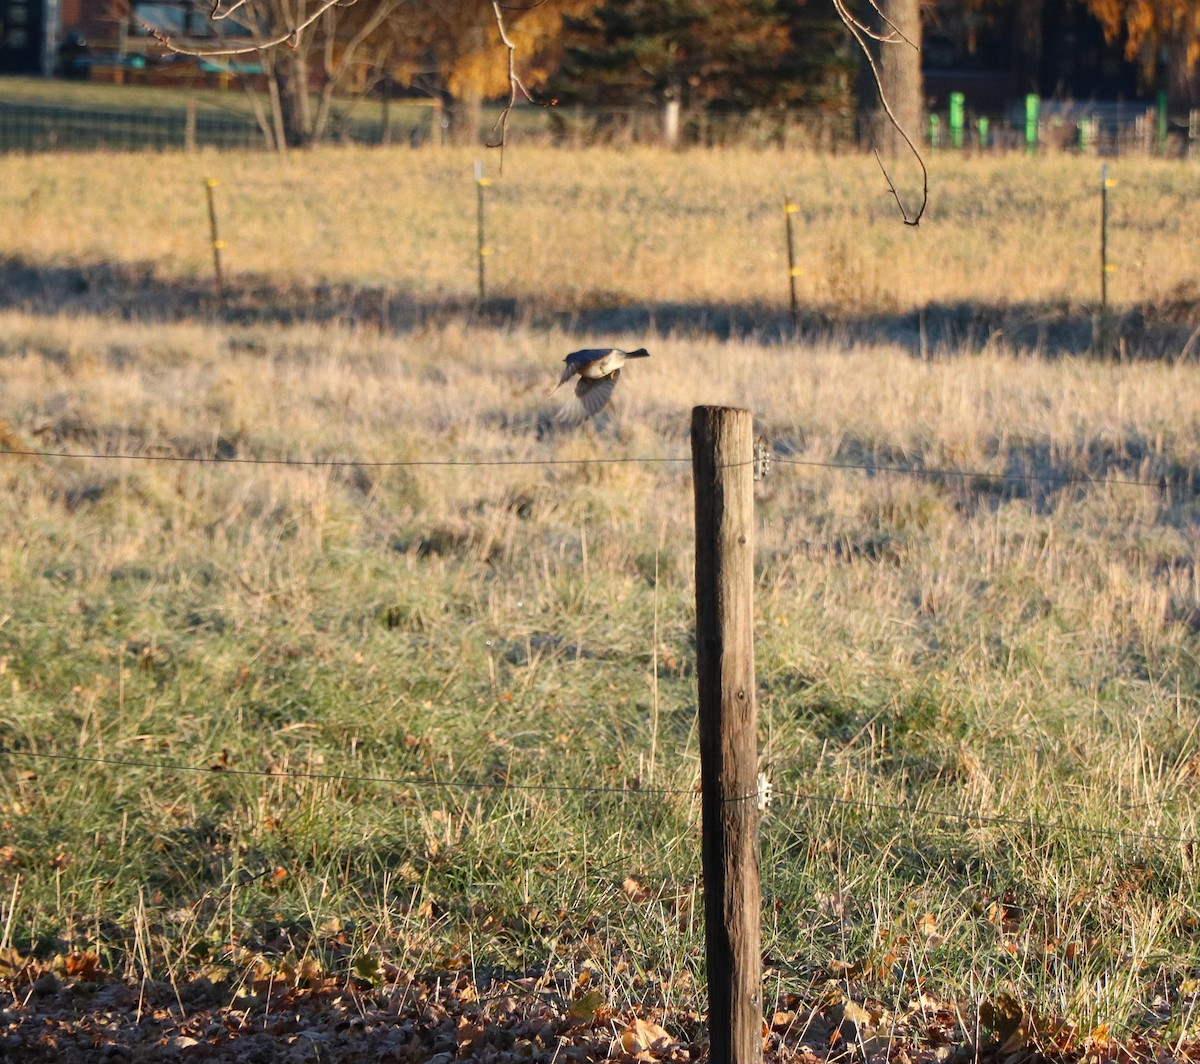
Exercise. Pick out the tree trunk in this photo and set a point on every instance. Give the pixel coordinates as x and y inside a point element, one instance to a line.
<point>291,74</point>
<point>1183,77</point>
<point>898,61</point>
<point>466,117</point>
<point>466,110</point>
<point>1028,45</point>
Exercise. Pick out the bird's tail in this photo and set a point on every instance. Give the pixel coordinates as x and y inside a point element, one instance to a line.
<point>641,352</point>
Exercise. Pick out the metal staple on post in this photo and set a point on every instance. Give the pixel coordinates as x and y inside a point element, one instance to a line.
<point>762,458</point>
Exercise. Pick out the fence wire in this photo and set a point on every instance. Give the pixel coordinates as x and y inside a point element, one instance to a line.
<point>1190,479</point>
<point>983,819</point>
<point>341,463</point>
<point>424,782</point>
<point>772,809</point>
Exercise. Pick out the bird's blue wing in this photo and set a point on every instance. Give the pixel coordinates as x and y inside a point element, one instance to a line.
<point>590,354</point>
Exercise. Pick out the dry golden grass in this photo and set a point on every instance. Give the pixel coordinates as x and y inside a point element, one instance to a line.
<point>602,227</point>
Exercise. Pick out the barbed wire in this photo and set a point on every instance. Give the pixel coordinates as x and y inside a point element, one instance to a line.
<point>811,797</point>
<point>427,782</point>
<point>985,819</point>
<point>1153,803</point>
<point>1161,483</point>
<point>949,472</point>
<point>337,463</point>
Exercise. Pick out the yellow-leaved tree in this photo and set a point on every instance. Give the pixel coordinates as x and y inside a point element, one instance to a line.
<point>462,51</point>
<point>1158,32</point>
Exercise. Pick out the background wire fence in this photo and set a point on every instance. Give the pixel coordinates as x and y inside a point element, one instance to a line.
<point>28,127</point>
<point>1109,130</point>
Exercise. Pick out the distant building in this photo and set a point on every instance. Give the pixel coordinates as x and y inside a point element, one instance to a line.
<point>91,19</point>
<point>26,46</point>
<point>41,36</point>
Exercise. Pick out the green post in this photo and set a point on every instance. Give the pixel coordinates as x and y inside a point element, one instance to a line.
<point>1032,109</point>
<point>935,131</point>
<point>957,109</point>
<point>983,132</point>
<point>1161,115</point>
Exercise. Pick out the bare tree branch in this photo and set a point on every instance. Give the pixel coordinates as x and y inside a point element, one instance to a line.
<point>292,33</point>
<point>854,23</point>
<point>377,75</point>
<point>514,83</point>
<point>349,50</point>
<point>916,220</point>
<point>860,37</point>
<point>216,13</point>
<point>896,34</point>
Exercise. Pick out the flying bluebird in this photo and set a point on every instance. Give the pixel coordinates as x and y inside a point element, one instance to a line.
<point>598,370</point>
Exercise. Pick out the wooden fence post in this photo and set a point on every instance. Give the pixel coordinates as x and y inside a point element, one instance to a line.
<point>723,480</point>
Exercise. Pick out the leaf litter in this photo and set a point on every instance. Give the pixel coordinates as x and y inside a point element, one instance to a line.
<point>281,1009</point>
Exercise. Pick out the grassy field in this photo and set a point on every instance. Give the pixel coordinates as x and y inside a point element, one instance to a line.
<point>98,96</point>
<point>37,114</point>
<point>645,229</point>
<point>474,684</point>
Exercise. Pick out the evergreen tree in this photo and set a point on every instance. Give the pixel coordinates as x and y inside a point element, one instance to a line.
<point>724,54</point>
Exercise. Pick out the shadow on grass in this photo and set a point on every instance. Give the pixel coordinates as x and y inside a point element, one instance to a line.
<point>1031,470</point>
<point>1164,330</point>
